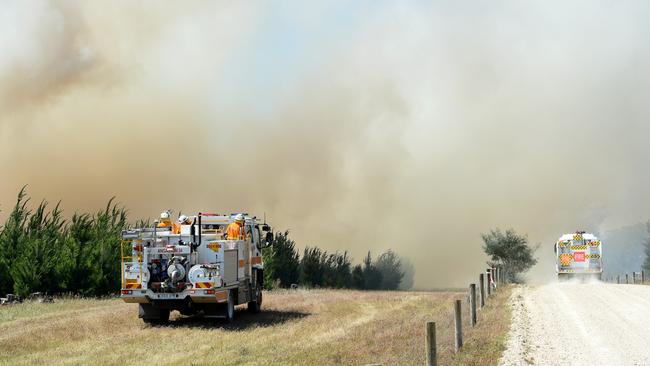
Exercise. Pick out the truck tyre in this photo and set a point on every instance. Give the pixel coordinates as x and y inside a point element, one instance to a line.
<point>153,315</point>
<point>229,311</point>
<point>256,305</point>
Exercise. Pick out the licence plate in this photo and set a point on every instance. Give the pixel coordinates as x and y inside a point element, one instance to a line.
<point>168,296</point>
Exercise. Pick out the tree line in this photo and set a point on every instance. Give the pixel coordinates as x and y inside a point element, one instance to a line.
<point>284,267</point>
<point>41,251</point>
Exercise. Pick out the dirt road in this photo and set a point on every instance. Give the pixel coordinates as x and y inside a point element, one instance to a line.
<point>579,324</point>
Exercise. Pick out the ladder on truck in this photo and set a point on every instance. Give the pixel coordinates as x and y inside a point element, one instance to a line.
<point>131,283</point>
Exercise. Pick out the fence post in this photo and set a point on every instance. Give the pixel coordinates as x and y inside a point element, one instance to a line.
<point>488,275</point>
<point>642,277</point>
<point>618,279</point>
<point>494,278</point>
<point>626,280</point>
<point>431,344</point>
<point>472,304</point>
<point>459,325</point>
<point>481,282</point>
<point>499,275</point>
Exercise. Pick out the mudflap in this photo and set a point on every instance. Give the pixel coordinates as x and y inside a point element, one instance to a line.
<point>148,312</point>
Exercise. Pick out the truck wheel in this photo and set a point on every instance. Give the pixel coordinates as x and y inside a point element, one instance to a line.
<point>230,307</point>
<point>256,305</point>
<point>152,315</point>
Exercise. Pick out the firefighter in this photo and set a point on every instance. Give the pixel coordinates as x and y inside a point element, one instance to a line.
<point>165,220</point>
<point>182,220</point>
<point>234,230</point>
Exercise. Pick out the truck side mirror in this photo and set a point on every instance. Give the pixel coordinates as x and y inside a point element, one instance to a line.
<point>268,239</point>
<point>266,227</point>
<point>554,248</point>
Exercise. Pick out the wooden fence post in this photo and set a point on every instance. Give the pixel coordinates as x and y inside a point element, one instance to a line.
<point>499,274</point>
<point>494,278</point>
<point>472,304</point>
<point>618,279</point>
<point>481,282</point>
<point>431,344</point>
<point>459,325</point>
<point>488,276</point>
<point>626,280</point>
<point>642,277</point>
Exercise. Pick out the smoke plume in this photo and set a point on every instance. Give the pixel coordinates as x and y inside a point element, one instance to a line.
<point>361,126</point>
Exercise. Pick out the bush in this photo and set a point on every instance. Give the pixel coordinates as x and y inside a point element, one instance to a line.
<point>390,267</point>
<point>281,262</point>
<point>509,250</point>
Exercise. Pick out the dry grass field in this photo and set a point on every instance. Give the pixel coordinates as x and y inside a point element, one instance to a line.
<point>299,327</point>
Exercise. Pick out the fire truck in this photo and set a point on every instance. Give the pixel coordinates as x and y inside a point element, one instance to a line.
<point>579,255</point>
<point>193,267</point>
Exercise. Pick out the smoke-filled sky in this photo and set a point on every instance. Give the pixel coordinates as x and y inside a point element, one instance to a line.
<point>357,125</point>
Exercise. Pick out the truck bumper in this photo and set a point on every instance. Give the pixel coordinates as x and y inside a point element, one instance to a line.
<point>199,296</point>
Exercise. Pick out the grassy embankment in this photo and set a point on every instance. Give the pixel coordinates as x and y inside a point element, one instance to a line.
<point>296,327</point>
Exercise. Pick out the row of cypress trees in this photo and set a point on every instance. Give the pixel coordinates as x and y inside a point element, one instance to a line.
<point>40,251</point>
<point>283,267</point>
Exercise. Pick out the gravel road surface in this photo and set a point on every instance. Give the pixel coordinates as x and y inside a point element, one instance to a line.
<point>579,324</point>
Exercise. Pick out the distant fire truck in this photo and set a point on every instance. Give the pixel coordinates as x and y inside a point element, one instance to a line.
<point>579,255</point>
<point>192,267</point>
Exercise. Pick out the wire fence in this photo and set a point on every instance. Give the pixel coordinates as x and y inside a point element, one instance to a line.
<point>478,297</point>
<point>630,278</point>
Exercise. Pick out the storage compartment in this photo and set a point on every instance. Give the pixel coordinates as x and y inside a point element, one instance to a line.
<point>231,265</point>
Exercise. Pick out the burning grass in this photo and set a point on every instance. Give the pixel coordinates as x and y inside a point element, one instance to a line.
<point>296,327</point>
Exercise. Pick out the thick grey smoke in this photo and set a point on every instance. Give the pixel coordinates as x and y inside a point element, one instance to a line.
<point>375,125</point>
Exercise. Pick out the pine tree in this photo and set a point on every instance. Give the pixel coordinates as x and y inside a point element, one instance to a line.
<point>357,277</point>
<point>341,276</point>
<point>34,268</point>
<point>281,262</point>
<point>389,265</point>
<point>10,239</point>
<point>107,226</point>
<point>312,268</point>
<point>372,277</point>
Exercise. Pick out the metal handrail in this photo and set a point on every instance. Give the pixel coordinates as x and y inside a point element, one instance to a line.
<point>129,257</point>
